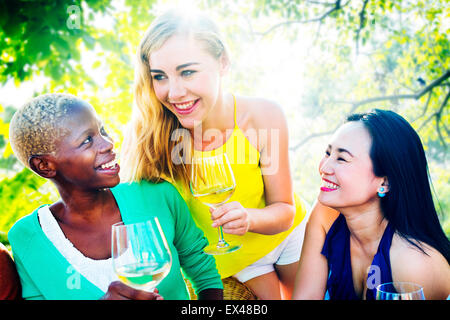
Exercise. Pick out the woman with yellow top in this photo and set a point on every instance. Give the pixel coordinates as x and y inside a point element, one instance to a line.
<point>181,110</point>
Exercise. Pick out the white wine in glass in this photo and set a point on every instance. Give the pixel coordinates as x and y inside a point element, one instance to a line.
<point>140,254</point>
<point>212,183</point>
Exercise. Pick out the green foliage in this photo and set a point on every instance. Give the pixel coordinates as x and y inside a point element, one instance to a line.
<point>35,37</point>
<point>20,195</point>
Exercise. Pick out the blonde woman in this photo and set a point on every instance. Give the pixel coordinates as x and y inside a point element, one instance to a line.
<point>181,108</point>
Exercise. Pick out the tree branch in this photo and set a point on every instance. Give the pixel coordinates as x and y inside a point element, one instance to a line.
<point>425,108</point>
<point>362,21</point>
<point>438,119</point>
<point>312,136</point>
<point>415,96</point>
<point>321,3</point>
<point>337,6</point>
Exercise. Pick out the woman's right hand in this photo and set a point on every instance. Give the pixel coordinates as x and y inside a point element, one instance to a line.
<point>120,291</point>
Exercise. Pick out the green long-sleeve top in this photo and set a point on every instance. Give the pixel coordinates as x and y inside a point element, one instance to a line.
<point>46,274</point>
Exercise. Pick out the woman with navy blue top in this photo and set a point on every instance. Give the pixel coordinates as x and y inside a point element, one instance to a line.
<point>375,220</point>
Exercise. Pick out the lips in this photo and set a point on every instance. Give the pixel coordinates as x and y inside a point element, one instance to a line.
<point>185,107</point>
<point>328,185</point>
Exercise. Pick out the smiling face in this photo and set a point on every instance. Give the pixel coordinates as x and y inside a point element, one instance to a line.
<point>85,158</point>
<point>346,169</point>
<point>187,78</point>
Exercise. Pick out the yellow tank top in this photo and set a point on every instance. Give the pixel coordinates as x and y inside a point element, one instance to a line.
<point>244,159</point>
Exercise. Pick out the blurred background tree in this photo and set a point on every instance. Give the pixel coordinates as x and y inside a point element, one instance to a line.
<point>319,59</point>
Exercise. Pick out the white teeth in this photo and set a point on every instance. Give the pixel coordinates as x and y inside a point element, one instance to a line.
<point>330,185</point>
<point>109,165</point>
<point>184,105</point>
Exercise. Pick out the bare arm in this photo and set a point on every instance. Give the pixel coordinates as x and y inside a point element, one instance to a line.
<point>10,287</point>
<point>312,274</point>
<point>279,213</point>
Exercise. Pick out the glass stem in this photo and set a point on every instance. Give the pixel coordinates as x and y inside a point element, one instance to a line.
<point>222,242</point>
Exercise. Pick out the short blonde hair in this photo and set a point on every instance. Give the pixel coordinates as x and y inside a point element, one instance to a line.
<point>37,126</point>
<point>154,131</point>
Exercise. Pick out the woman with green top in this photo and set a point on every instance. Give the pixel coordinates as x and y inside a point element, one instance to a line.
<point>63,250</point>
<point>182,110</point>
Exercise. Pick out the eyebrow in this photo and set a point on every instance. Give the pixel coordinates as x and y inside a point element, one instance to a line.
<point>178,68</point>
<point>341,150</point>
<point>84,133</point>
<point>89,130</point>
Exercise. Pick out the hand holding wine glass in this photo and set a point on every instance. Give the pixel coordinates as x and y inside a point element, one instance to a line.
<point>212,182</point>
<point>140,254</point>
<point>118,290</point>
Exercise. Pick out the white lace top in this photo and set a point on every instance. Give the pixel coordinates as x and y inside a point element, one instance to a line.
<point>99,272</point>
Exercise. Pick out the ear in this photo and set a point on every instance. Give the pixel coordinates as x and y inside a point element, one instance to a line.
<point>225,63</point>
<point>384,185</point>
<point>43,165</point>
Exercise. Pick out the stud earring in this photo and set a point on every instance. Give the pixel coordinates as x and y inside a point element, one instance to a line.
<point>381,193</point>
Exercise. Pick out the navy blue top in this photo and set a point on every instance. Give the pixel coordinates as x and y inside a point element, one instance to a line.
<point>337,251</point>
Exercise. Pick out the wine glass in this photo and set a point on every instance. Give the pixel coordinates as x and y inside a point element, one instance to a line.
<point>212,183</point>
<point>140,254</point>
<point>399,291</point>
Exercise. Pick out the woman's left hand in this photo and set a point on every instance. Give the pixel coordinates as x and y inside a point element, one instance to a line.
<point>233,218</point>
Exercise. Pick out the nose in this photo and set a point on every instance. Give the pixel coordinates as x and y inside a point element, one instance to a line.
<point>176,90</point>
<point>106,144</point>
<point>325,166</point>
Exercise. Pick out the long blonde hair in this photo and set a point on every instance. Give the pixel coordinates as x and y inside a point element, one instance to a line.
<point>154,131</point>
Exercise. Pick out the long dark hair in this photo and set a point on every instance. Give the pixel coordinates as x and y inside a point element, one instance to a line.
<point>397,153</point>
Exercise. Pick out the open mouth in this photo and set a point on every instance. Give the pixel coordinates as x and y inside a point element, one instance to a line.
<point>185,107</point>
<point>328,186</point>
<point>110,166</point>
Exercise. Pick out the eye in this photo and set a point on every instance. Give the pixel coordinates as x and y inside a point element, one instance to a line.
<point>327,153</point>
<point>86,141</point>
<point>341,159</point>
<point>103,132</point>
<point>159,77</point>
<point>187,73</point>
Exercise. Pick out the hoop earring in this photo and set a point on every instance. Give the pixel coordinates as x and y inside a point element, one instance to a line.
<point>381,194</point>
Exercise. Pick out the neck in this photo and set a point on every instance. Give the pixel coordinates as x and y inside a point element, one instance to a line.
<point>220,118</point>
<point>83,207</point>
<point>366,227</point>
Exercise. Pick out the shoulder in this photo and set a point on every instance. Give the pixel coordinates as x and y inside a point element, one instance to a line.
<point>23,228</point>
<point>155,188</point>
<point>322,217</point>
<point>319,224</point>
<point>262,113</point>
<point>429,268</point>
<point>147,192</point>
<point>402,250</point>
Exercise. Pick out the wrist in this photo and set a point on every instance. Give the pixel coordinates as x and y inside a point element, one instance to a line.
<point>251,220</point>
